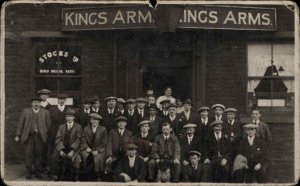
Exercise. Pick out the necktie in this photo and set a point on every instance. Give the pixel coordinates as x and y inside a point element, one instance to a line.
<point>131,113</point>
<point>69,127</point>
<point>195,167</point>
<point>120,132</point>
<point>190,139</point>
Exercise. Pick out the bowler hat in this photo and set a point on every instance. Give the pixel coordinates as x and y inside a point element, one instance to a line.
<point>121,118</point>
<point>95,116</point>
<point>203,108</point>
<point>44,91</point>
<point>152,106</point>
<point>216,123</point>
<point>218,105</point>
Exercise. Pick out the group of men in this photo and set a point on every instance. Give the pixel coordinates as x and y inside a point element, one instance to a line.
<point>134,141</point>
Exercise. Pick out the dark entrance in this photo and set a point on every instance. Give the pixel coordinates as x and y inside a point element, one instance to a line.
<point>167,68</point>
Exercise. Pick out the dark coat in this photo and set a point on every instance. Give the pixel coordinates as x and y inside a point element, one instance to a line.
<point>203,130</point>
<point>82,118</point>
<point>176,125</point>
<point>256,153</point>
<point>198,176</point>
<point>57,118</point>
<point>108,120</point>
<point>161,115</point>
<point>173,147</point>
<point>24,125</point>
<point>139,168</point>
<point>145,116</point>
<point>235,129</point>
<point>196,144</point>
<point>191,119</point>
<point>223,146</point>
<point>132,121</point>
<point>112,145</point>
<point>264,133</point>
<point>75,137</point>
<point>144,144</point>
<point>155,126</point>
<point>95,141</point>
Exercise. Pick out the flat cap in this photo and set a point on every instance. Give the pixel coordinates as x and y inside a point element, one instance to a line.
<point>121,118</point>
<point>152,106</point>
<point>188,101</point>
<point>230,110</point>
<point>218,105</point>
<point>141,100</point>
<point>250,125</point>
<point>194,152</point>
<point>62,96</point>
<point>95,116</point>
<point>44,91</point>
<point>111,98</point>
<point>165,101</point>
<point>144,122</point>
<point>36,98</point>
<point>121,100</point>
<point>132,146</point>
<point>172,105</point>
<point>203,108</point>
<point>216,123</point>
<point>190,125</point>
<point>70,112</point>
<point>130,101</point>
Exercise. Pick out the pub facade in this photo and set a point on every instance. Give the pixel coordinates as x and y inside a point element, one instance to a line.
<point>239,55</point>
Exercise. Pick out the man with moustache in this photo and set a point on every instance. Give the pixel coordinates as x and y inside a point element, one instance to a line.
<point>32,131</point>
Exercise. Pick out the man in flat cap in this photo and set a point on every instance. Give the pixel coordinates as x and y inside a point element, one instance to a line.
<point>187,116</point>
<point>118,138</point>
<point>219,153</point>
<point>163,113</point>
<point>121,106</point>
<point>175,120</point>
<point>254,149</point>
<point>203,126</point>
<point>94,138</point>
<point>110,114</point>
<point>262,130</point>
<point>32,130</point>
<point>67,146</point>
<point>44,95</point>
<point>194,171</point>
<point>141,109</point>
<point>165,148</point>
<point>82,115</point>
<point>155,121</point>
<point>95,108</point>
<point>131,114</point>
<point>218,113</point>
<point>132,167</point>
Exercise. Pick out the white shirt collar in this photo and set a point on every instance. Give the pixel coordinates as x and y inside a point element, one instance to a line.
<point>87,111</point>
<point>257,122</point>
<point>110,110</point>
<point>121,130</point>
<point>231,122</point>
<point>61,108</point>
<point>166,136</point>
<point>70,124</point>
<point>35,111</point>
<point>95,109</point>
<point>144,134</point>
<point>218,117</point>
<point>219,135</point>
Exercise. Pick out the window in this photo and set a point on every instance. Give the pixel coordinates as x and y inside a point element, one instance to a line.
<point>271,82</point>
<point>58,68</point>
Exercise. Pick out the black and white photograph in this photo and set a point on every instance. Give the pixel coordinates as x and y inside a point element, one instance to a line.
<point>145,92</point>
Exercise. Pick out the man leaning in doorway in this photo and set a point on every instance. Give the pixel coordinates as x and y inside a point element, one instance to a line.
<point>32,130</point>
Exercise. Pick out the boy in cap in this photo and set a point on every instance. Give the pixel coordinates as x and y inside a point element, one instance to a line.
<point>110,114</point>
<point>93,143</point>
<point>163,113</point>
<point>82,115</point>
<point>219,153</point>
<point>32,130</point>
<point>120,106</point>
<point>44,95</point>
<point>165,148</point>
<point>155,121</point>
<point>131,168</point>
<point>67,146</point>
<point>174,120</point>
<point>254,149</point>
<point>118,138</point>
<point>218,113</point>
<point>194,171</point>
<point>131,114</point>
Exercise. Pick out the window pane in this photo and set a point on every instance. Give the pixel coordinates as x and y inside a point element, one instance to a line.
<point>61,84</point>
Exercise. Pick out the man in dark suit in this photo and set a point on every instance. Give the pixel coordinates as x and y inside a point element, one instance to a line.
<point>82,115</point>
<point>131,114</point>
<point>219,153</point>
<point>141,109</point>
<point>175,120</point>
<point>218,113</point>
<point>203,126</point>
<point>187,116</point>
<point>156,121</point>
<point>165,148</point>
<point>110,114</point>
<point>67,146</point>
<point>194,171</point>
<point>32,130</point>
<point>131,168</point>
<point>163,114</point>
<point>254,149</point>
<point>262,130</point>
<point>116,144</point>
<point>94,138</point>
<point>95,108</point>
<point>121,106</point>
<point>44,95</point>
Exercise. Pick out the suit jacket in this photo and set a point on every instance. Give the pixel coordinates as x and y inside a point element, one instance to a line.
<point>99,111</point>
<point>139,168</point>
<point>222,147</point>
<point>25,120</point>
<point>108,120</point>
<point>82,118</point>
<point>57,118</point>
<point>191,119</point>
<point>213,118</point>
<point>75,137</point>
<point>173,147</point>
<point>235,129</point>
<point>264,133</point>
<point>196,144</point>
<point>145,116</point>
<point>112,145</point>
<point>95,141</point>
<point>203,130</point>
<point>161,115</point>
<point>177,126</point>
<point>132,121</point>
<point>256,153</point>
<point>144,144</point>
<point>155,126</point>
<point>192,175</point>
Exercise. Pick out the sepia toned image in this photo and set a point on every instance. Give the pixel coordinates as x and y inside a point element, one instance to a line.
<point>149,92</point>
